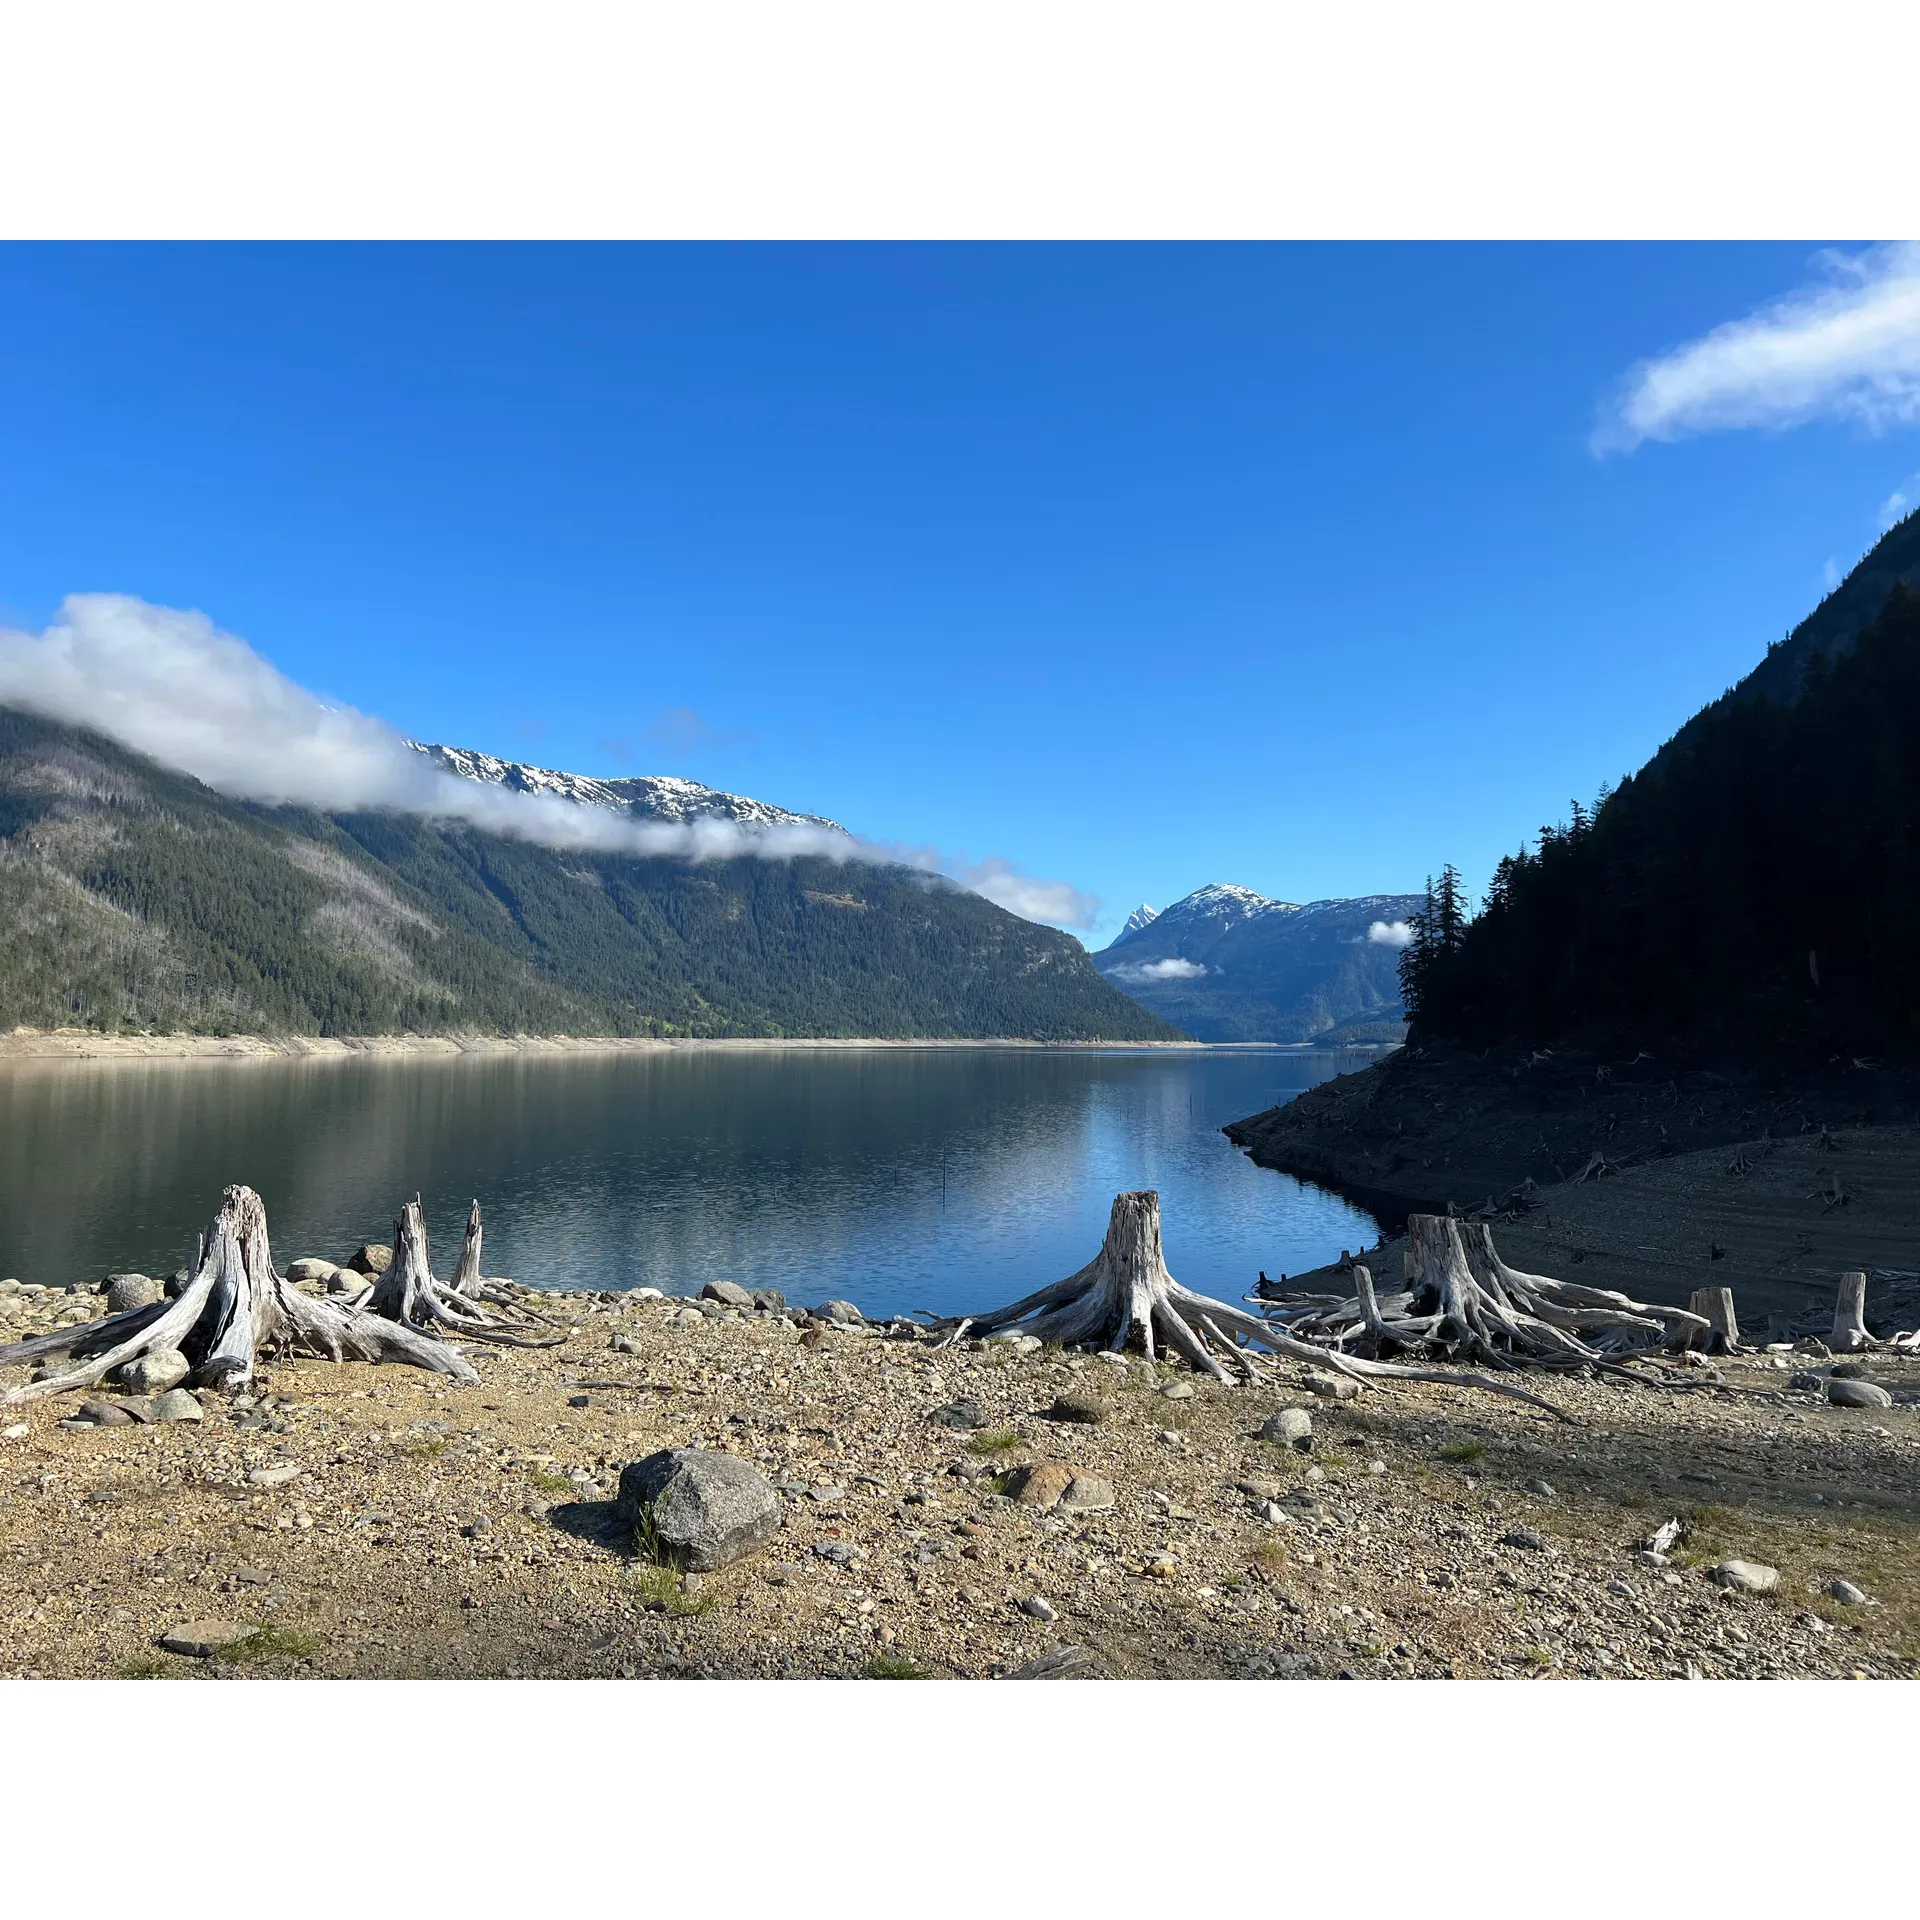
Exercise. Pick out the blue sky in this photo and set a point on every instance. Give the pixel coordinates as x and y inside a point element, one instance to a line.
<point>1138,567</point>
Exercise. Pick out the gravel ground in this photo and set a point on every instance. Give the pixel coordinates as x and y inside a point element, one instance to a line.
<point>379,1522</point>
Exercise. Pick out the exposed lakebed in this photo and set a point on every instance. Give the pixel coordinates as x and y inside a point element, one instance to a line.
<point>898,1178</point>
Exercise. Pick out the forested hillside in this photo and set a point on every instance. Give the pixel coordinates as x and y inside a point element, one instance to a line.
<point>1754,889</point>
<point>136,898</point>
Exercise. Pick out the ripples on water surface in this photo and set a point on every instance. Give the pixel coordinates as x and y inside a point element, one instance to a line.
<point>896,1178</point>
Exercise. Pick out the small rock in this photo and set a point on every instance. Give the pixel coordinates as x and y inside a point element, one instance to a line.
<point>769,1300</point>
<point>1541,1489</point>
<point>1042,1484</point>
<point>1857,1393</point>
<point>1036,1608</point>
<point>841,1313</point>
<point>1059,1663</point>
<point>689,1317</point>
<point>1333,1386</point>
<point>1177,1390</point>
<point>579,1400</point>
<point>1087,1493</point>
<point>1846,1593</point>
<point>1163,1566</point>
<point>155,1372</point>
<point>202,1639</point>
<point>623,1343</point>
<point>128,1291</point>
<point>1523,1537</point>
<point>18,1431</point>
<point>704,1510</point>
<point>1290,1427</point>
<point>346,1280</point>
<point>1804,1382</point>
<point>276,1476</point>
<point>843,1553</point>
<point>104,1413</point>
<point>1273,1513</point>
<point>646,1293</point>
<point>1744,1576</point>
<point>729,1293</point>
<point>177,1405</point>
<point>964,1414</point>
<point>1078,1404</point>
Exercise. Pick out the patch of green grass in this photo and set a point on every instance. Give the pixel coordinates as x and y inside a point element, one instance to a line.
<point>273,1643</point>
<point>1002,1440</point>
<point>552,1482</point>
<point>1333,1458</point>
<point>1460,1452</point>
<point>1539,1658</point>
<point>149,1666</point>
<point>427,1449</point>
<point>660,1590</point>
<point>893,1666</point>
<point>1271,1552</point>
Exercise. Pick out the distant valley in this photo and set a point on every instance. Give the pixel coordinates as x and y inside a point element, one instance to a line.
<point>1228,964</point>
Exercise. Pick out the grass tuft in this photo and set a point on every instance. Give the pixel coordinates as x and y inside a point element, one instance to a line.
<point>894,1666</point>
<point>1460,1452</point>
<point>1002,1440</point>
<point>149,1666</point>
<point>273,1643</point>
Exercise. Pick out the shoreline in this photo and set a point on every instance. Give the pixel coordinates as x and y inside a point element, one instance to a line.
<point>76,1043</point>
<point>81,1043</point>
<point>386,1524</point>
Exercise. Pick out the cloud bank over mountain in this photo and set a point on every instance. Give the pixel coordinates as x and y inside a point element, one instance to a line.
<point>170,684</point>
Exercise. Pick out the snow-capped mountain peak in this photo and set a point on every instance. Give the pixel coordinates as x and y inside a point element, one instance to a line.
<point>646,796</point>
<point>1142,917</point>
<point>1221,900</point>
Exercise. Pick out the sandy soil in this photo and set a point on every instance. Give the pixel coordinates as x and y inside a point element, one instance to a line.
<point>380,1522</point>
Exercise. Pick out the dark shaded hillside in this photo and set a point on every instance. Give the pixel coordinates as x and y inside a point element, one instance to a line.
<point>1755,890</point>
<point>135,897</point>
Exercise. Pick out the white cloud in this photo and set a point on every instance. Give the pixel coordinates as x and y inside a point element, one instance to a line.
<point>1830,574</point>
<point>1900,502</point>
<point>1846,348</point>
<point>1146,972</point>
<point>173,686</point>
<point>1390,933</point>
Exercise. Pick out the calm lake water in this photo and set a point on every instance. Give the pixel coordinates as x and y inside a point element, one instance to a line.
<point>900,1178</point>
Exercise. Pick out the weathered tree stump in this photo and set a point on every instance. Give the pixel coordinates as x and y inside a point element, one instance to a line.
<point>1714,1305</point>
<point>409,1295</point>
<point>1850,1333</point>
<point>233,1308</point>
<point>1125,1295</point>
<point>1462,1302</point>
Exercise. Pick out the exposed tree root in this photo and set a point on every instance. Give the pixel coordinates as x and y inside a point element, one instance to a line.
<point>233,1308</point>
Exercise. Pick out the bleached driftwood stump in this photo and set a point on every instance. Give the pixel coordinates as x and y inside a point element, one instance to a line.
<point>233,1308</point>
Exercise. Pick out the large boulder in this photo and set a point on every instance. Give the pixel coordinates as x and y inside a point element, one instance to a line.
<point>729,1293</point>
<point>128,1291</point>
<point>1857,1393</point>
<point>698,1510</point>
<point>1290,1427</point>
<point>841,1313</point>
<point>311,1272</point>
<point>371,1259</point>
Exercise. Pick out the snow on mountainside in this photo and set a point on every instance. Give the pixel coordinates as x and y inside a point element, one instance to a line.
<point>649,796</point>
<point>1142,917</point>
<point>1227,963</point>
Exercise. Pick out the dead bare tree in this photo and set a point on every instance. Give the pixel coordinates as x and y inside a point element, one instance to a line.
<point>233,1308</point>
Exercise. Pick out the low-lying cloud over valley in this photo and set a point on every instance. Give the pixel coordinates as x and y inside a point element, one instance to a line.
<point>171,685</point>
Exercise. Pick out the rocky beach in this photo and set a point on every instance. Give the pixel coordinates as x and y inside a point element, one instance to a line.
<point>731,1488</point>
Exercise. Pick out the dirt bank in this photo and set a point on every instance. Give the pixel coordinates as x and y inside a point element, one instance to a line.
<point>383,1523</point>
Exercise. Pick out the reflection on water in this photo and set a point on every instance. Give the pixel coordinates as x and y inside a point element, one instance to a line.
<point>896,1178</point>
